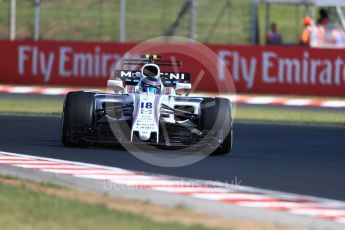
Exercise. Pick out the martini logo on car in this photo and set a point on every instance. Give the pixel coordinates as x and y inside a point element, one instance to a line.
<point>169,75</point>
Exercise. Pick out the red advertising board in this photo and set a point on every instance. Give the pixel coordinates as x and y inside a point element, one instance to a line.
<point>254,69</point>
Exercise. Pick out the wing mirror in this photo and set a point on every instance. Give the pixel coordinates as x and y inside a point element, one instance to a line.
<point>117,85</point>
<point>183,88</point>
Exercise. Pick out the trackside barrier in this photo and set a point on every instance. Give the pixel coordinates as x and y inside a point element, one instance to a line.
<point>254,69</point>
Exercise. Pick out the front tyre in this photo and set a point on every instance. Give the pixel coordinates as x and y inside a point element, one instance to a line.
<point>216,119</point>
<point>77,118</point>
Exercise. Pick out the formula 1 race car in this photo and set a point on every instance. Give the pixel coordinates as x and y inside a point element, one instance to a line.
<point>149,107</point>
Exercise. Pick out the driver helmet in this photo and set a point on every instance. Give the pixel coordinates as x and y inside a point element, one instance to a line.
<point>151,85</point>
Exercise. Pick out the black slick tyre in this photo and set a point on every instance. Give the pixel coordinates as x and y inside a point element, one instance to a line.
<point>216,117</point>
<point>78,110</point>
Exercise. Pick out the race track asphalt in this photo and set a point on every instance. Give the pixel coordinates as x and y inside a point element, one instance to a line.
<point>301,159</point>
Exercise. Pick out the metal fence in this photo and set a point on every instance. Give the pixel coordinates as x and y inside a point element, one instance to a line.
<point>220,21</point>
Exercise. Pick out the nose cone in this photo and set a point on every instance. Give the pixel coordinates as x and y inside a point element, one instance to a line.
<point>144,136</point>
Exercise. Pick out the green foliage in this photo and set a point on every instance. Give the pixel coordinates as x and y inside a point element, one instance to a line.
<point>98,20</point>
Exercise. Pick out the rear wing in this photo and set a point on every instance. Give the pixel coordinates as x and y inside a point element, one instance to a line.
<point>152,58</point>
<point>169,79</point>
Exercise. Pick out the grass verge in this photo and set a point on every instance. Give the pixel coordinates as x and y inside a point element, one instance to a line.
<point>31,205</point>
<point>31,106</point>
<point>243,113</point>
<point>23,206</point>
<point>290,115</point>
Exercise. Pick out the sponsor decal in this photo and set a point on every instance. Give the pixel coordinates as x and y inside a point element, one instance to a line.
<point>166,75</point>
<point>254,69</point>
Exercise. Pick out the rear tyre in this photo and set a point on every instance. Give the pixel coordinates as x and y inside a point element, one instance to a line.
<point>78,111</point>
<point>216,116</point>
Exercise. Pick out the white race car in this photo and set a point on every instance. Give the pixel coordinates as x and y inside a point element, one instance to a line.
<point>148,107</point>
